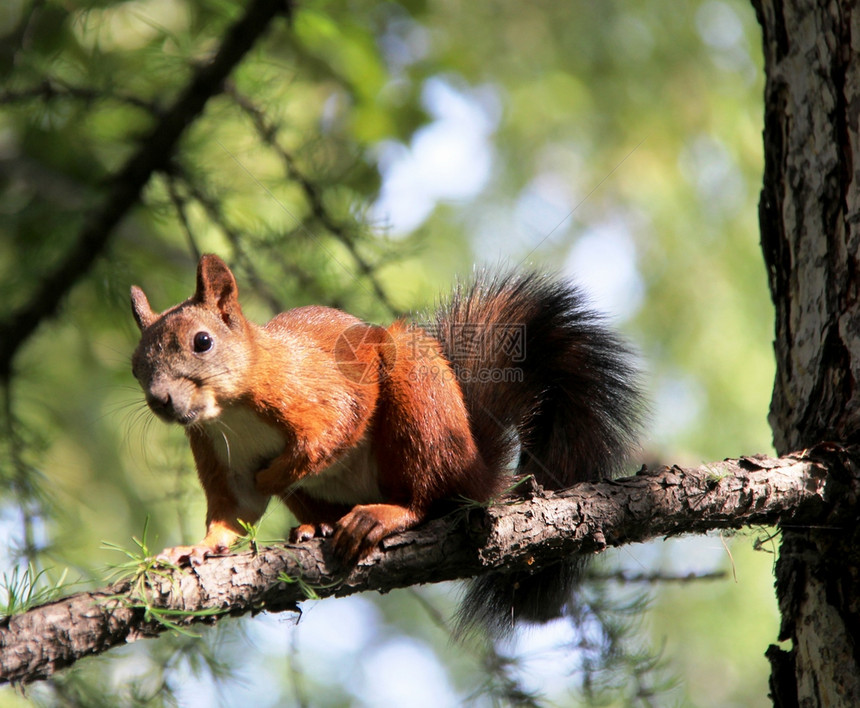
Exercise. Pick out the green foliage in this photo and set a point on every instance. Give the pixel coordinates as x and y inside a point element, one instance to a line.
<point>248,540</point>
<point>613,666</point>
<point>23,589</point>
<point>308,590</point>
<point>733,619</point>
<point>140,568</point>
<point>579,125</point>
<point>139,563</point>
<point>518,484</point>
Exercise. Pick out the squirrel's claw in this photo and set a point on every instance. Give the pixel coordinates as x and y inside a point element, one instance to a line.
<point>305,532</point>
<point>186,555</point>
<point>360,531</point>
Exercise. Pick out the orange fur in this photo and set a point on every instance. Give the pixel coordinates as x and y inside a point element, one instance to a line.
<point>364,431</point>
<point>371,428</point>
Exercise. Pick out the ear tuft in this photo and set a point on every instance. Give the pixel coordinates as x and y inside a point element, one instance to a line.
<point>143,314</point>
<point>216,288</point>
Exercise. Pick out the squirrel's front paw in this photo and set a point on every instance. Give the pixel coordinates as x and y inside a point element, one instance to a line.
<point>305,532</point>
<point>190,555</point>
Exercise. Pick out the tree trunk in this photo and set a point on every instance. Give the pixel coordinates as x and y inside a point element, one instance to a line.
<point>809,233</point>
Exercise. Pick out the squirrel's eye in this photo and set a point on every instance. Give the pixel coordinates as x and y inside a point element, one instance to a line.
<point>202,342</point>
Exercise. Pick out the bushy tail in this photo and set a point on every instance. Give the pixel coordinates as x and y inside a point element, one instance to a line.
<point>541,374</point>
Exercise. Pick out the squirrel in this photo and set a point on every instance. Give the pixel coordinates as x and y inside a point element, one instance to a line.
<point>365,431</point>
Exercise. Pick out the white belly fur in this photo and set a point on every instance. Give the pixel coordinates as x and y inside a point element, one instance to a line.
<point>244,444</point>
<point>353,479</point>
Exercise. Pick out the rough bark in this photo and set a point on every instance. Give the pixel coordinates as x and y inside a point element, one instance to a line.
<point>809,228</point>
<point>520,534</point>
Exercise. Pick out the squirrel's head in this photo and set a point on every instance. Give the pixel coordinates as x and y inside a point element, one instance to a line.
<point>191,358</point>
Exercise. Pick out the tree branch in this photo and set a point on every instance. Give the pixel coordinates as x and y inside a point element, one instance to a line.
<point>152,155</point>
<point>806,488</point>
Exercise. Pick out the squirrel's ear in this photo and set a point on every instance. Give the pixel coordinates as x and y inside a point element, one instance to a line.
<point>143,314</point>
<point>217,287</point>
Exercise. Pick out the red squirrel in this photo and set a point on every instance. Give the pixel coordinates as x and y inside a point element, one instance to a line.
<point>364,431</point>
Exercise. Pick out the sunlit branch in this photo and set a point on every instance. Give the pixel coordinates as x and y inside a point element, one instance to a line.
<point>811,487</point>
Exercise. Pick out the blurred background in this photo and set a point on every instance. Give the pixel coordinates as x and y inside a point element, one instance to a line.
<point>366,156</point>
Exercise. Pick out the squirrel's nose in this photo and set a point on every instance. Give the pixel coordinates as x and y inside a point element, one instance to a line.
<point>159,400</point>
<point>160,403</point>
